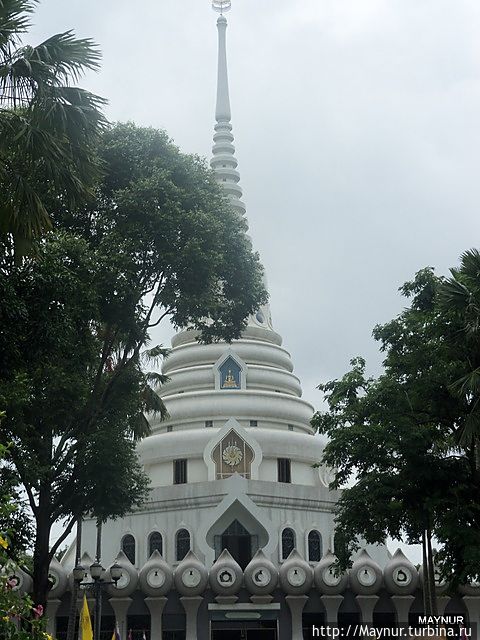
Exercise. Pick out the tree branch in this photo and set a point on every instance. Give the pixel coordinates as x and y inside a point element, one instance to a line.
<point>149,326</point>
<point>64,535</point>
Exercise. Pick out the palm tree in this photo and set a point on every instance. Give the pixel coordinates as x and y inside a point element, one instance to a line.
<point>459,296</point>
<point>47,126</point>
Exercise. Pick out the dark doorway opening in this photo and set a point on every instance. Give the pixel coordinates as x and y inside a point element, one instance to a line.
<point>238,541</point>
<point>245,630</point>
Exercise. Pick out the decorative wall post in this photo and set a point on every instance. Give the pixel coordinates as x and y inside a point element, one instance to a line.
<point>51,613</point>
<point>296,605</point>
<point>473,607</point>
<point>156,606</point>
<point>332,605</point>
<point>367,605</point>
<point>120,607</point>
<point>191,604</point>
<point>402,606</point>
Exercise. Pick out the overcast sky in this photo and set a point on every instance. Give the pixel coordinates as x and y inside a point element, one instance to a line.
<point>357,131</point>
<point>357,134</point>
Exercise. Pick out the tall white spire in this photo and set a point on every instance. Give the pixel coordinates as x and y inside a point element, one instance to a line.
<point>224,162</point>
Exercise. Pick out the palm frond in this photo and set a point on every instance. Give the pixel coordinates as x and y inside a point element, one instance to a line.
<point>155,355</point>
<point>152,403</point>
<point>140,427</point>
<point>453,294</point>
<point>470,431</point>
<point>156,379</point>
<point>468,384</point>
<point>54,63</point>
<point>470,264</point>
<point>65,56</point>
<point>14,20</point>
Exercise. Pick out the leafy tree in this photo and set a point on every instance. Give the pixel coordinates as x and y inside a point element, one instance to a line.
<point>398,435</point>
<point>48,128</point>
<point>19,620</point>
<point>459,299</point>
<point>158,241</point>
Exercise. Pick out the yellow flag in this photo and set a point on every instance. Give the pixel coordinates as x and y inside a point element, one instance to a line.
<point>85,622</point>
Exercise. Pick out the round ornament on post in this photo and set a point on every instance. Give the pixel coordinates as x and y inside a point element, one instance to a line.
<point>156,576</point>
<point>128,581</point>
<point>225,575</point>
<point>261,575</point>
<point>191,576</point>
<point>441,583</point>
<point>58,578</point>
<point>471,589</point>
<point>328,579</point>
<point>20,581</point>
<point>401,577</point>
<point>296,575</point>
<point>366,577</point>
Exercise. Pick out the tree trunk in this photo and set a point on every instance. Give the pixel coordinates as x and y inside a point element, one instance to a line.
<point>431,572</point>
<point>427,601</point>
<point>41,553</point>
<point>41,561</point>
<point>72,614</point>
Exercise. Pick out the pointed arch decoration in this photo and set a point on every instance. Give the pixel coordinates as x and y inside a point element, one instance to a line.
<point>230,372</point>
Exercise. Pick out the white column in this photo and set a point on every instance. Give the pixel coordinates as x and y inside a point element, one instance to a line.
<point>441,604</point>
<point>50,614</point>
<point>156,606</point>
<point>296,605</point>
<point>191,604</point>
<point>402,606</point>
<point>332,605</point>
<point>473,607</point>
<point>120,608</point>
<point>367,605</point>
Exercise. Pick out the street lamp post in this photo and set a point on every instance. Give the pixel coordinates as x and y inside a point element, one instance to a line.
<point>98,585</point>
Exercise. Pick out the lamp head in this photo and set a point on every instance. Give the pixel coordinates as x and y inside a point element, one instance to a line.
<point>116,572</point>
<point>96,570</point>
<point>78,573</point>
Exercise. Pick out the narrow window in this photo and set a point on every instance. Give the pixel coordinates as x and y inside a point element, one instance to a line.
<point>314,546</point>
<point>155,543</point>
<point>288,542</point>
<point>169,428</point>
<point>128,547</point>
<point>179,471</point>
<point>253,423</point>
<point>284,472</point>
<point>209,423</point>
<point>290,427</point>
<point>182,544</point>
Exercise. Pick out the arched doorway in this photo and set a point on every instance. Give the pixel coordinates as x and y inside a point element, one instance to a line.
<point>239,542</point>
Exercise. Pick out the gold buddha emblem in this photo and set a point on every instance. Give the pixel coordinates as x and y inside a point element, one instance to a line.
<point>229,382</point>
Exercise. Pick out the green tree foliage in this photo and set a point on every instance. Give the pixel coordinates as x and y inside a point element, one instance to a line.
<point>19,620</point>
<point>48,128</point>
<point>399,437</point>
<point>158,241</point>
<point>459,299</point>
